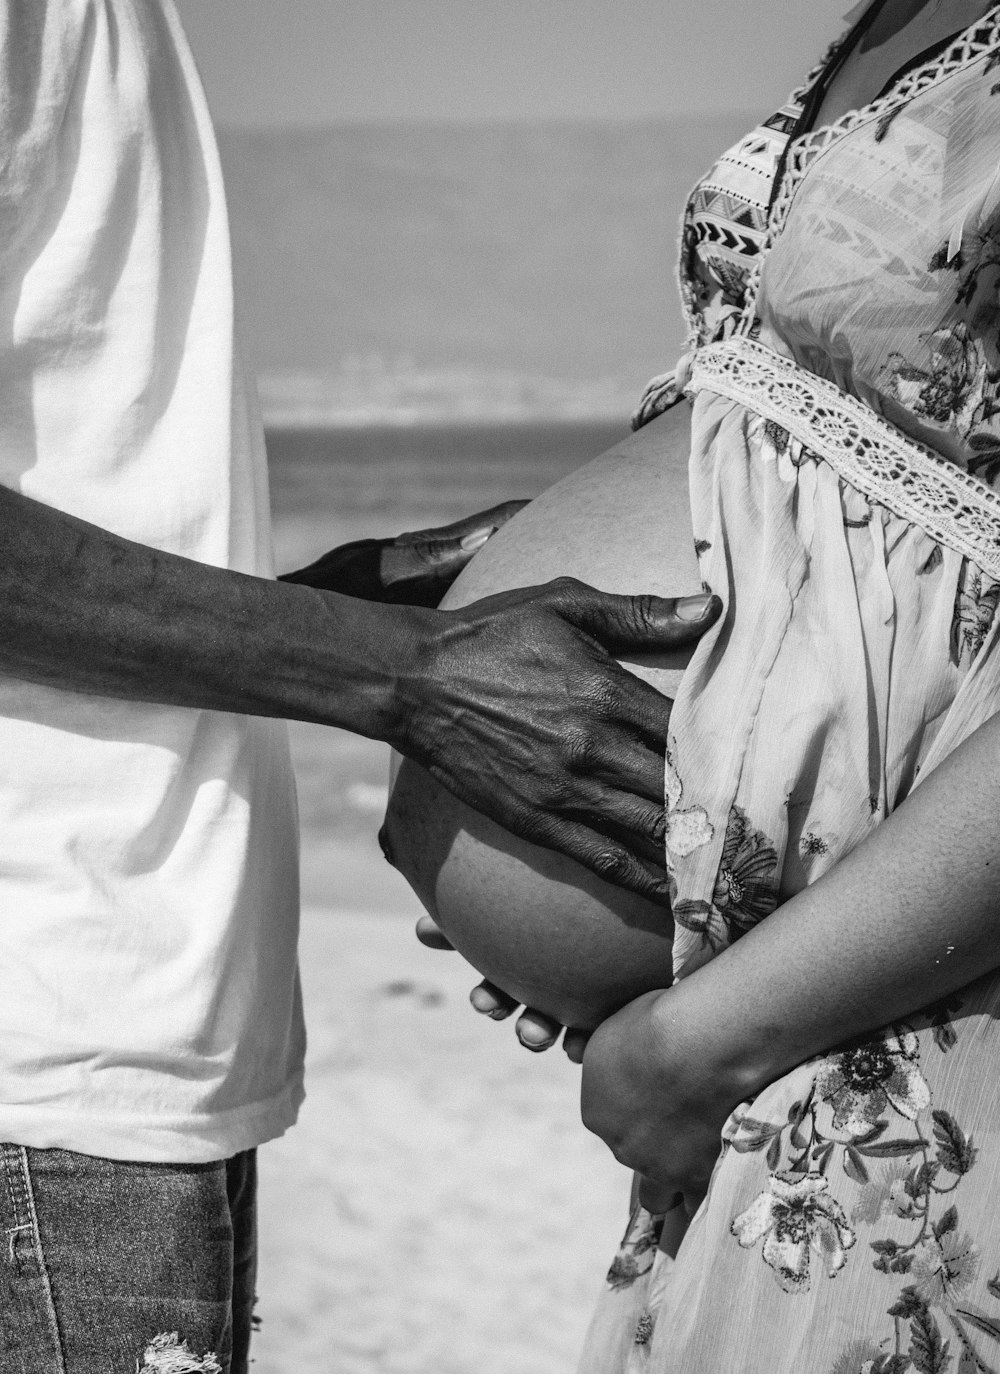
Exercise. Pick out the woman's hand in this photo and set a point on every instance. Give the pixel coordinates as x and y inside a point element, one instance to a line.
<point>657,1102</point>
<point>414,569</point>
<point>906,918</point>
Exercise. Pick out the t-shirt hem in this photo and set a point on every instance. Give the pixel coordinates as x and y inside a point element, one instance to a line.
<point>195,1139</point>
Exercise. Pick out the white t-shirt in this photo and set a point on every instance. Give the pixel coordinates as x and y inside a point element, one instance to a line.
<point>149,1001</point>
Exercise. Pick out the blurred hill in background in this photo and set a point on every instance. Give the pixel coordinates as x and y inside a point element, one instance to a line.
<point>432,272</point>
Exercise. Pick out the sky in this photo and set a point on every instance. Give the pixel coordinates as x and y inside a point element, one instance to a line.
<point>314,62</point>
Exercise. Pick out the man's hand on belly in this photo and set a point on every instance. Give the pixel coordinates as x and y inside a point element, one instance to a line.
<point>412,569</point>
<point>517,706</point>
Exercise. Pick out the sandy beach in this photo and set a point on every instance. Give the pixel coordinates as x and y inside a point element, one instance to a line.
<point>438,1209</point>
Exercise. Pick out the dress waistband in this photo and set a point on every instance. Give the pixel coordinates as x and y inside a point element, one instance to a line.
<point>876,458</point>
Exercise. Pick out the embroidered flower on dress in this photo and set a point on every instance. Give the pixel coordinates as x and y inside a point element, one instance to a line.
<point>702,918</point>
<point>878,1197</point>
<point>746,884</point>
<point>856,1358</point>
<point>812,844</point>
<point>975,611</point>
<point>944,1267</point>
<point>775,441</point>
<point>862,1082</point>
<point>958,390</point>
<point>637,1251</point>
<point>644,1328</point>
<point>796,1218</point>
<point>952,389</point>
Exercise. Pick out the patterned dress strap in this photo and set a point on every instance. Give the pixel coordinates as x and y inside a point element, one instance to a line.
<point>980,41</point>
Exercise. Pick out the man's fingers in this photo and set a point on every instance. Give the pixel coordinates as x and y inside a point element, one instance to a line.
<point>574,1044</point>
<point>429,933</point>
<point>446,542</point>
<point>639,623</point>
<point>636,823</point>
<point>606,857</point>
<point>623,747</point>
<point>642,828</point>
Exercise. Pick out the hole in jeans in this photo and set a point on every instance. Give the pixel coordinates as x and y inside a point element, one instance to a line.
<point>168,1354</point>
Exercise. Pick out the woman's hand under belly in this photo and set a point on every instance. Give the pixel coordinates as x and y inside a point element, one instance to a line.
<point>533,922</point>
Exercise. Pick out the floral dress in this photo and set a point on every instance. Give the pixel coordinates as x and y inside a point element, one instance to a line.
<point>842,287</point>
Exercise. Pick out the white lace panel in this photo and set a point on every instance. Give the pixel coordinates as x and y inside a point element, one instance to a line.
<point>912,481</point>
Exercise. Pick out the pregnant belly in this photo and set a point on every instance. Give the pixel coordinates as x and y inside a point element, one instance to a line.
<point>535,923</point>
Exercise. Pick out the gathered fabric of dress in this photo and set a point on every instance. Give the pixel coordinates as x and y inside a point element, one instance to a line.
<point>842,287</point>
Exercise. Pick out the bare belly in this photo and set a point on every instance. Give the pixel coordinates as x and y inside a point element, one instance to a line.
<point>535,923</point>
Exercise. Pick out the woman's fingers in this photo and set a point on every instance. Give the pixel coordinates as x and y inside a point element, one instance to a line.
<point>535,1031</point>
<point>489,1000</point>
<point>658,1197</point>
<point>574,1044</point>
<point>429,933</point>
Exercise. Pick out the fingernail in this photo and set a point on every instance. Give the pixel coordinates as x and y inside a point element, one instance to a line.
<point>694,607</point>
<point>477,538</point>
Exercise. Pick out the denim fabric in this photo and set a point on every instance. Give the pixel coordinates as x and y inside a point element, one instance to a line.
<point>112,1267</point>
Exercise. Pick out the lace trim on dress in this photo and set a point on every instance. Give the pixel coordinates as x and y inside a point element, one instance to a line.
<point>976,42</point>
<point>868,452</point>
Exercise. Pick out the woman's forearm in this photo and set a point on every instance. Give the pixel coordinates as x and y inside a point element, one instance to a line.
<point>909,916</point>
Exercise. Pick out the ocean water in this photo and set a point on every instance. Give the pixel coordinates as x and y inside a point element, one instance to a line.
<point>328,486</point>
<point>332,486</point>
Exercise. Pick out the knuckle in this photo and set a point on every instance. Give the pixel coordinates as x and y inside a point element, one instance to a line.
<point>580,751</point>
<point>565,591</point>
<point>645,606</point>
<point>638,613</point>
<point>606,697</point>
<point>611,864</point>
<point>598,698</point>
<point>653,823</point>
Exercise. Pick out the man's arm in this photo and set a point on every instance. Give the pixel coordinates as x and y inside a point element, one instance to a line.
<point>909,916</point>
<point>512,703</point>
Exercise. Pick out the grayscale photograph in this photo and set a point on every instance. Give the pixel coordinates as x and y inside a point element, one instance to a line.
<point>499,687</point>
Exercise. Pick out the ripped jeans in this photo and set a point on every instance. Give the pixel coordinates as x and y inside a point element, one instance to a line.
<point>111,1267</point>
